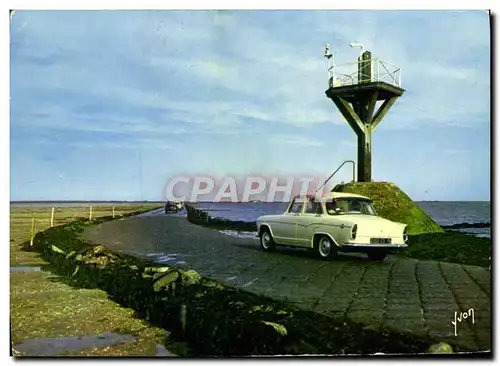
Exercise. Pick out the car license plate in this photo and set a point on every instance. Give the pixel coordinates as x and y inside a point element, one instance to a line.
<point>380,241</point>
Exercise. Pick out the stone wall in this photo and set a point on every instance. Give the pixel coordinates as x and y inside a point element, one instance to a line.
<point>200,217</point>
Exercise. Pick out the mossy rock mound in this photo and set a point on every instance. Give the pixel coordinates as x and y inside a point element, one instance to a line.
<point>393,204</point>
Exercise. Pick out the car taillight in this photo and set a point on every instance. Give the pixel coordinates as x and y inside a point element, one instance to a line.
<point>405,235</point>
<point>354,231</point>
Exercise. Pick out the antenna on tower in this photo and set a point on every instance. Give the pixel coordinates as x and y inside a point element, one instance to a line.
<point>328,54</point>
<point>330,65</point>
<point>354,44</point>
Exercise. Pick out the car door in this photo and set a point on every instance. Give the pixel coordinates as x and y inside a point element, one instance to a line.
<point>307,221</point>
<point>285,229</point>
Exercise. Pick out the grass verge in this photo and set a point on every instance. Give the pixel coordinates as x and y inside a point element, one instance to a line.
<point>43,305</point>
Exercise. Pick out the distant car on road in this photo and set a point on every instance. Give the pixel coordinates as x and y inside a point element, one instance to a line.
<point>173,206</point>
<point>330,224</point>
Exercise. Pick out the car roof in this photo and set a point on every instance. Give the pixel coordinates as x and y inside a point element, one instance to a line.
<point>332,195</point>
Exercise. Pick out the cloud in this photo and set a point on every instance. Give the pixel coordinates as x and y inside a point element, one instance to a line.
<point>190,73</point>
<point>295,140</point>
<point>457,151</point>
<point>348,143</point>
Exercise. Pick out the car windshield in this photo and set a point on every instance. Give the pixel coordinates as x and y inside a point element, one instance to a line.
<point>350,205</point>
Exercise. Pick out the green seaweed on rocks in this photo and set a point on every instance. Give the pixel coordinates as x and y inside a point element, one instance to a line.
<point>393,204</point>
<point>440,348</point>
<point>450,246</point>
<point>278,327</point>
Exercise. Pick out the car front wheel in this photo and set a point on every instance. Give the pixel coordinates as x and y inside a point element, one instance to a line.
<point>377,256</point>
<point>266,241</point>
<point>326,249</point>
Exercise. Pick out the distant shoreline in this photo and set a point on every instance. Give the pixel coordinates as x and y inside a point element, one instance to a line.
<point>162,202</point>
<point>91,201</point>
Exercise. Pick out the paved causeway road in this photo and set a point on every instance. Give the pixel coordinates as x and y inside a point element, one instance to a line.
<point>416,296</point>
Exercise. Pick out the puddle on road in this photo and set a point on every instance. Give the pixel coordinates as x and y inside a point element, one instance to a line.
<point>154,254</point>
<point>161,212</point>
<point>161,351</point>
<point>164,258</point>
<point>56,346</point>
<point>167,258</point>
<point>240,234</point>
<point>249,283</point>
<point>235,281</point>
<point>25,268</point>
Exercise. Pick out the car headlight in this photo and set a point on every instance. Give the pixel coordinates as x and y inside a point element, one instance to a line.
<point>354,231</point>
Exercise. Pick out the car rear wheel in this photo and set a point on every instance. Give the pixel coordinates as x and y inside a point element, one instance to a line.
<point>266,241</point>
<point>377,256</point>
<point>325,247</point>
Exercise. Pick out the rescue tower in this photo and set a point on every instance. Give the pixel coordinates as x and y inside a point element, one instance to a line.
<point>355,89</point>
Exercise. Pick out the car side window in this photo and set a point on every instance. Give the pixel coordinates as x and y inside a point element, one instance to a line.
<point>331,207</point>
<point>313,207</point>
<point>296,207</point>
<point>355,206</point>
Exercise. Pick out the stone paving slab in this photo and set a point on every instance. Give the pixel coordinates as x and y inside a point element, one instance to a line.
<point>406,295</point>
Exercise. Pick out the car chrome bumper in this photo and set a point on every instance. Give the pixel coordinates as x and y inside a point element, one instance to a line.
<point>368,246</point>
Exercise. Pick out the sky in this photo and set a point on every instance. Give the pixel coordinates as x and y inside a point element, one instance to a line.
<point>111,105</point>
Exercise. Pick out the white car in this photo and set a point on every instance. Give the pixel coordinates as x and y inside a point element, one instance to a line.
<point>332,223</point>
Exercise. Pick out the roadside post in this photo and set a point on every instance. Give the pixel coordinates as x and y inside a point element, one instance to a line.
<point>32,234</point>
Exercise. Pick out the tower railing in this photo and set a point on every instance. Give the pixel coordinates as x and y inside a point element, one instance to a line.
<point>348,74</point>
